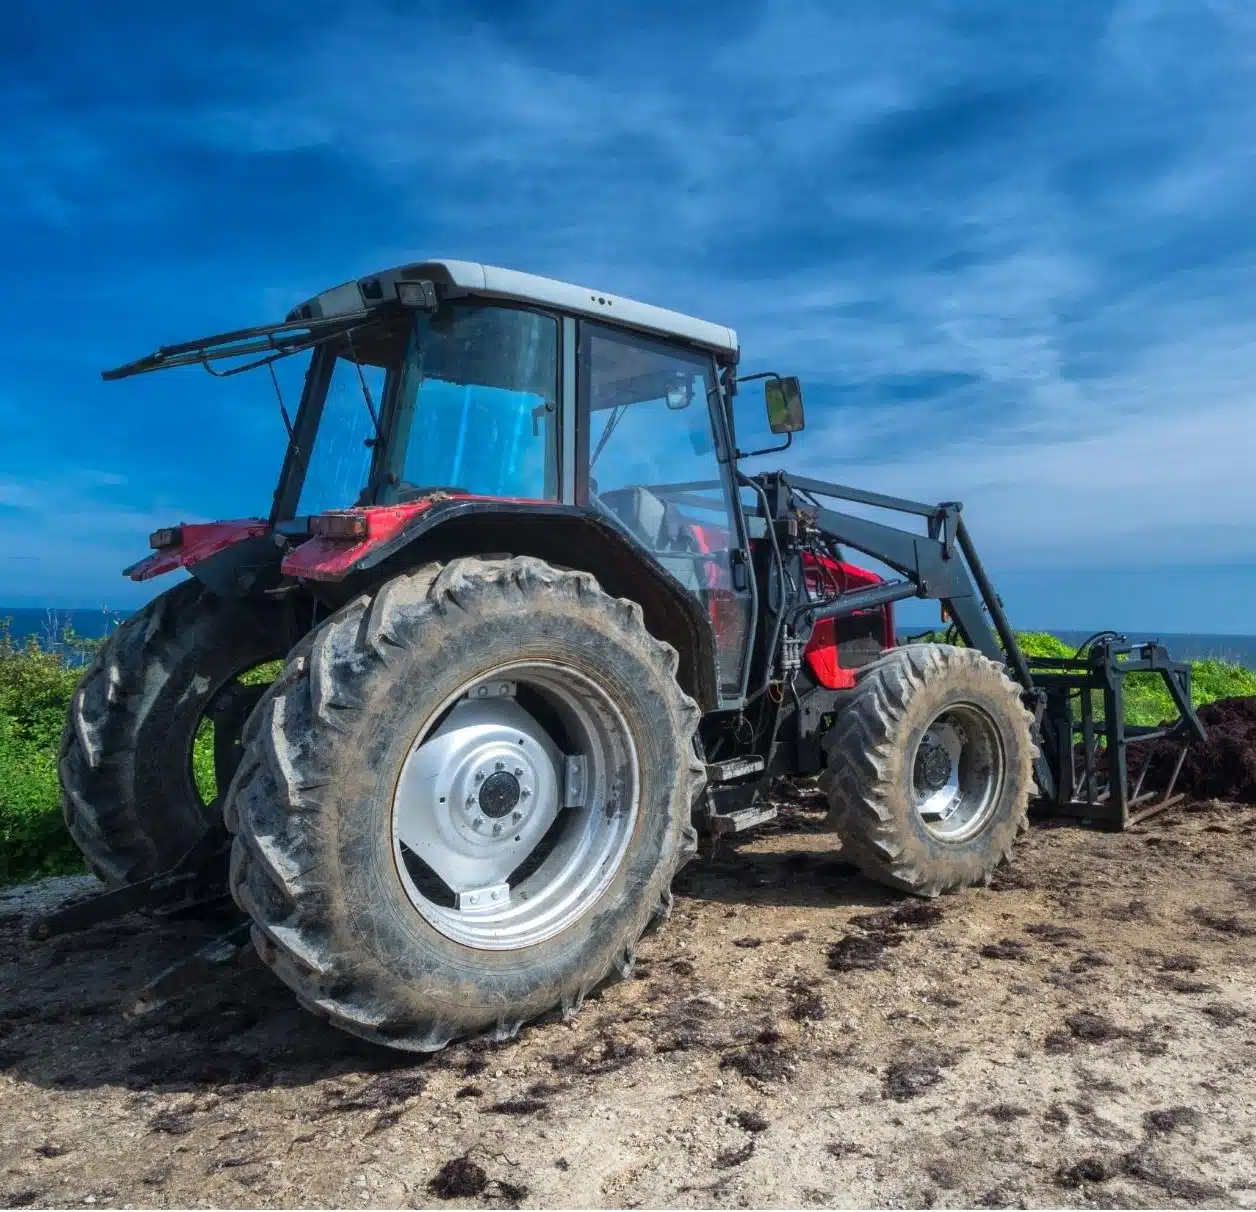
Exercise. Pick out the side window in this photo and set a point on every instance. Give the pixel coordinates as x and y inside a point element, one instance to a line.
<point>652,460</point>
<point>654,469</point>
<point>340,463</point>
<point>752,511</point>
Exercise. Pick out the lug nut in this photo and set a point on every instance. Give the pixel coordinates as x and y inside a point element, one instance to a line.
<point>516,817</point>
<point>479,776</point>
<point>499,765</point>
<point>524,793</point>
<point>478,823</point>
<point>518,772</point>
<point>497,830</point>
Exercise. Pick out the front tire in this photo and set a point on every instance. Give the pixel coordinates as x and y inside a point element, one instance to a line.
<point>379,812</point>
<point>929,768</point>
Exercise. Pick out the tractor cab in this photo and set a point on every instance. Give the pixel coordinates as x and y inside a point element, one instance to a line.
<point>450,382</point>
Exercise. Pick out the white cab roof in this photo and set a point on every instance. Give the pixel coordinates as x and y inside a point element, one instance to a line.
<point>491,282</point>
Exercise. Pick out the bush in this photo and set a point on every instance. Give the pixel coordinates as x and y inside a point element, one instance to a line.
<point>1147,698</point>
<point>35,690</point>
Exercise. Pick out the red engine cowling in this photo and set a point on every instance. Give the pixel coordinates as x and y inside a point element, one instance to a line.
<point>839,646</point>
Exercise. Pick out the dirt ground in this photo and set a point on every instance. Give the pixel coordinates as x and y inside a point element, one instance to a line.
<point>1083,1033</point>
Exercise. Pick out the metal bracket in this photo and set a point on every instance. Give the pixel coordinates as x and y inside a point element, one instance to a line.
<point>575,780</point>
<point>195,880</point>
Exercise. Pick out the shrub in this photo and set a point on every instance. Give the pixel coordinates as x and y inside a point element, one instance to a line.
<point>35,689</point>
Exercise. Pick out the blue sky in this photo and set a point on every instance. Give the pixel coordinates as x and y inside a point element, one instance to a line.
<point>1008,248</point>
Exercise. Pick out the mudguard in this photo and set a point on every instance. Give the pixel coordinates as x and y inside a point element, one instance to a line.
<point>194,543</point>
<point>376,541</point>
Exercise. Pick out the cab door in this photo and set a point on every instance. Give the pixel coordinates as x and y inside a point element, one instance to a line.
<point>657,462</point>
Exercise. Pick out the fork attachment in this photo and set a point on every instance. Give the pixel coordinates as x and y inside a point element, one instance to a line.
<point>1091,756</point>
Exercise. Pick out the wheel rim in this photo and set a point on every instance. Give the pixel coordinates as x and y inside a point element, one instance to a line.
<point>515,805</point>
<point>958,768</point>
<point>229,704</point>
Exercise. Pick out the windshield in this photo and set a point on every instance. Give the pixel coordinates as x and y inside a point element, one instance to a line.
<point>476,405</point>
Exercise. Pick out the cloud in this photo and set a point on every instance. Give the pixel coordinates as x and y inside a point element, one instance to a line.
<point>1009,251</point>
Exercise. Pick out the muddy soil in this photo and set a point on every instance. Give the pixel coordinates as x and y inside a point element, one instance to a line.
<point>1083,1033</point>
<point>1225,765</point>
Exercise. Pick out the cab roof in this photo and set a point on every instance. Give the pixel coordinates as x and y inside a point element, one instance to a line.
<point>489,281</point>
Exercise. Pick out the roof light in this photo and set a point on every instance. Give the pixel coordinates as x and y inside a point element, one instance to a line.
<point>417,294</point>
<point>167,536</point>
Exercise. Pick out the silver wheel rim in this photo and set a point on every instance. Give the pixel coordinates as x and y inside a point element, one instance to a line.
<point>958,767</point>
<point>515,805</point>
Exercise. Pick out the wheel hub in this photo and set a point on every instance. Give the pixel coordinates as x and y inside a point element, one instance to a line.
<point>957,772</point>
<point>523,827</point>
<point>480,793</point>
<point>933,767</point>
<point>499,793</point>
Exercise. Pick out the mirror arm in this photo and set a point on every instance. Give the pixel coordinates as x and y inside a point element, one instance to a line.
<point>752,454</point>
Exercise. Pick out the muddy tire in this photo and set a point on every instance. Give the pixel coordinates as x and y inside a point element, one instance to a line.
<point>127,792</point>
<point>345,856</point>
<point>929,769</point>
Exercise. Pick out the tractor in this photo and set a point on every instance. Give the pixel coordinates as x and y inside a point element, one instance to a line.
<point>527,628</point>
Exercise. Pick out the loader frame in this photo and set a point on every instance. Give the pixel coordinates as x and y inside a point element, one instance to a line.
<point>943,564</point>
<point>1100,791</point>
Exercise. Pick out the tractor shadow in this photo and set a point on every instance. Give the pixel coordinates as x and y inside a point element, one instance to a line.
<point>794,861</point>
<point>67,1020</point>
<point>67,1006</point>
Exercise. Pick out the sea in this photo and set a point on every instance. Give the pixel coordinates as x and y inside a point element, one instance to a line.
<point>52,626</point>
<point>1183,646</point>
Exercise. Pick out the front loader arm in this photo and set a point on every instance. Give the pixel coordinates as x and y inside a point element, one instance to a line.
<point>941,565</point>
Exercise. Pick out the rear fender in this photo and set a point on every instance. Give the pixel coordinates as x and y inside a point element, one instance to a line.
<point>402,536</point>
<point>197,543</point>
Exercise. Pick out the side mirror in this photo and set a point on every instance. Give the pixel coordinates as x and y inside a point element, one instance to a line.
<point>783,398</point>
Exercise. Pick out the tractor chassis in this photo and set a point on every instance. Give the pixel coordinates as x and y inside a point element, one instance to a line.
<point>941,564</point>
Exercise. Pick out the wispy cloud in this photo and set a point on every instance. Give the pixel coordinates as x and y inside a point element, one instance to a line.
<point>1009,250</point>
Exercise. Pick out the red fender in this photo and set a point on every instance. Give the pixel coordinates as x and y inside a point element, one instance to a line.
<point>197,541</point>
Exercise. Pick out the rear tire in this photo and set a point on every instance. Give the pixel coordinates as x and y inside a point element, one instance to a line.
<point>929,768</point>
<point>127,792</point>
<point>317,862</point>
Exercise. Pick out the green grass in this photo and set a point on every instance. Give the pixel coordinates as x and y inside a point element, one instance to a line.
<point>1147,699</point>
<point>35,690</point>
<point>203,746</point>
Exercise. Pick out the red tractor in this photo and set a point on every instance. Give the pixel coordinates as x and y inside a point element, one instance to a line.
<point>537,629</point>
